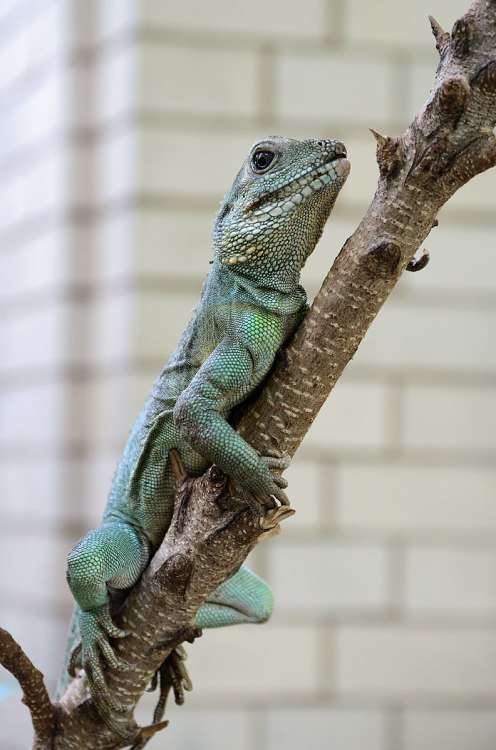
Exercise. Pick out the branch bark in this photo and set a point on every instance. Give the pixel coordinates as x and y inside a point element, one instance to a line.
<point>35,695</point>
<point>215,525</point>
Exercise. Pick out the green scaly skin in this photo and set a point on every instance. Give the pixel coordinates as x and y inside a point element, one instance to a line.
<point>267,226</point>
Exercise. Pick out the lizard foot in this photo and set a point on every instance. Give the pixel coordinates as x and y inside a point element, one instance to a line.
<point>96,626</point>
<point>174,671</point>
<point>172,674</point>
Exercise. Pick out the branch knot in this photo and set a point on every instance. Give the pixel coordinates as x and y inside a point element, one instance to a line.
<point>383,259</point>
<point>177,568</point>
<point>452,98</point>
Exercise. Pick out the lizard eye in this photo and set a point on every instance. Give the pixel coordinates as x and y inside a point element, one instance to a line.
<point>261,160</point>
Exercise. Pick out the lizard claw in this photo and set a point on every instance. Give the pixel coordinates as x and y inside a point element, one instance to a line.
<point>280,495</point>
<point>111,713</point>
<point>274,517</point>
<point>276,462</point>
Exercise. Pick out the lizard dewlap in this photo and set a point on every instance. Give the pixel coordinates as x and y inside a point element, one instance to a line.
<point>251,303</point>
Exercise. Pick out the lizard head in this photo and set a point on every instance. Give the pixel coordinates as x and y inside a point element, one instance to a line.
<point>275,212</point>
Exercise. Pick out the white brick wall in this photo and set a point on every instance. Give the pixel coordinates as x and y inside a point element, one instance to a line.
<point>274,21</point>
<point>352,577</point>
<point>451,418</point>
<point>457,340</point>
<point>346,729</point>
<point>175,172</point>
<point>447,580</point>
<point>296,98</point>
<point>430,730</point>
<point>206,80</point>
<point>413,498</point>
<point>415,664</point>
<point>209,728</point>
<point>124,124</point>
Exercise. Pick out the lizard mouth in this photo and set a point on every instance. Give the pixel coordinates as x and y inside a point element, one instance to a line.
<point>336,155</point>
<point>283,199</point>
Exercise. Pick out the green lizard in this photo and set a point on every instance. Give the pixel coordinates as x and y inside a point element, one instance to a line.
<point>251,303</point>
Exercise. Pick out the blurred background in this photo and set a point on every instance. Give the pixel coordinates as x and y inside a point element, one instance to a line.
<point>122,125</point>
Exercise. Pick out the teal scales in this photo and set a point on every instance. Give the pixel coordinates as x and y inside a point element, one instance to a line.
<point>251,303</point>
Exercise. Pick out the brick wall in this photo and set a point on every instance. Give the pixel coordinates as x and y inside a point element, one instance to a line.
<point>122,125</point>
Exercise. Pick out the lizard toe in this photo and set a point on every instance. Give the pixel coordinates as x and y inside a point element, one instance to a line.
<point>106,622</point>
<point>110,657</point>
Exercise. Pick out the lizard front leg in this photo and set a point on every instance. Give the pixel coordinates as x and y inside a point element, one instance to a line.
<point>224,380</point>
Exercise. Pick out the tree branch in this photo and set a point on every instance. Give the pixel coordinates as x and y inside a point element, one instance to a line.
<point>450,141</point>
<point>215,525</point>
<point>35,695</point>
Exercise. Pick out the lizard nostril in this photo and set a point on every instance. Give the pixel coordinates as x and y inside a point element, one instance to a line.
<point>322,143</point>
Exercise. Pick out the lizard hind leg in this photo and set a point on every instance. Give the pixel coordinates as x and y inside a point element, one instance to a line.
<point>245,597</point>
<point>114,554</point>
